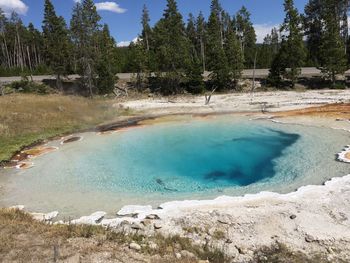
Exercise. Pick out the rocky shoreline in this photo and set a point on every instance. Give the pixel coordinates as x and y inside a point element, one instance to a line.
<point>313,219</point>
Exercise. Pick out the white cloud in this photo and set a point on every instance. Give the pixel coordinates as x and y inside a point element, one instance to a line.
<point>261,30</point>
<point>127,43</point>
<point>9,6</point>
<point>76,1</point>
<point>110,6</point>
<point>124,44</point>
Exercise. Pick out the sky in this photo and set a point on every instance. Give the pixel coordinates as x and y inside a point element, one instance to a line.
<point>123,16</point>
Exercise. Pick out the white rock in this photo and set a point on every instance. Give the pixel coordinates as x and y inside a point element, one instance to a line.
<point>45,217</point>
<point>17,207</point>
<point>157,226</point>
<point>178,255</point>
<point>135,246</point>
<point>342,155</point>
<point>134,210</point>
<point>92,219</point>
<point>152,245</point>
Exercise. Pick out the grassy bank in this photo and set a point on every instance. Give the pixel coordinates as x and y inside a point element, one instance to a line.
<point>23,239</point>
<point>27,118</point>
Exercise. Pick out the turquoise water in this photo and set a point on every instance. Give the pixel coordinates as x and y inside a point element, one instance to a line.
<point>190,159</point>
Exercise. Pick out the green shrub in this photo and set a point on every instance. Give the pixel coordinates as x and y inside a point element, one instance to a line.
<point>26,86</point>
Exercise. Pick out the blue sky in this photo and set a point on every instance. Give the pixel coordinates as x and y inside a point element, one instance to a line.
<point>123,16</point>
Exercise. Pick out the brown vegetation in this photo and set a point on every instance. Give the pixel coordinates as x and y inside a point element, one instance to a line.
<point>23,239</point>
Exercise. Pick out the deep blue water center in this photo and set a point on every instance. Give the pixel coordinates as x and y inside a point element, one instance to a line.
<point>187,157</point>
<point>255,158</point>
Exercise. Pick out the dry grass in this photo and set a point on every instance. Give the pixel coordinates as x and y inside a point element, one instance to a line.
<point>27,118</point>
<point>23,239</point>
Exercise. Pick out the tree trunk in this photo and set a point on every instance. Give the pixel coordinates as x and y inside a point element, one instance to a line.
<point>203,54</point>
<point>59,82</point>
<point>89,75</point>
<point>253,84</point>
<point>30,64</point>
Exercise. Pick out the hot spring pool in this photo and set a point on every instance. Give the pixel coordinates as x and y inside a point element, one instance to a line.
<point>191,158</point>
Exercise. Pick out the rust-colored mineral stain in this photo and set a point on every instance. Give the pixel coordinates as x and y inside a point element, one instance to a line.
<point>72,139</point>
<point>107,132</point>
<point>24,165</point>
<point>347,155</point>
<point>341,111</point>
<point>11,165</point>
<point>20,157</point>
<point>39,151</point>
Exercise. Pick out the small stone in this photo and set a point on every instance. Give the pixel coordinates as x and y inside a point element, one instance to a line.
<point>241,250</point>
<point>136,226</point>
<point>229,241</point>
<point>330,250</point>
<point>187,254</point>
<point>135,246</point>
<point>157,226</point>
<point>178,255</point>
<point>293,217</point>
<point>223,220</point>
<point>153,217</point>
<point>152,245</point>
<point>146,222</point>
<point>309,238</point>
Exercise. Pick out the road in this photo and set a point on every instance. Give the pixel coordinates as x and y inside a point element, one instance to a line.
<point>247,73</point>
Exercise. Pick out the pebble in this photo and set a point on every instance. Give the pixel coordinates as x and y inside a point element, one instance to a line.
<point>309,238</point>
<point>136,226</point>
<point>146,222</point>
<point>135,246</point>
<point>152,245</point>
<point>157,226</point>
<point>187,254</point>
<point>153,217</point>
<point>293,217</point>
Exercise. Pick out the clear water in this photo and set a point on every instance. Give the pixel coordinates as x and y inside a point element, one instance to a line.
<point>189,159</point>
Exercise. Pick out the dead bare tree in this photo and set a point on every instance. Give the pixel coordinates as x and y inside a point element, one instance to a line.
<point>208,97</point>
<point>253,84</point>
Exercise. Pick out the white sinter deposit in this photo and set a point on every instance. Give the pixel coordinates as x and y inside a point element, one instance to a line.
<point>344,156</point>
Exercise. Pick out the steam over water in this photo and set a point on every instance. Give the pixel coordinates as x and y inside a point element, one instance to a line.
<point>195,159</point>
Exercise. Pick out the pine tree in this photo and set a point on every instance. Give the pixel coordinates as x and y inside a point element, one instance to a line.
<point>216,58</point>
<point>192,33</point>
<point>146,28</point>
<point>292,53</point>
<point>172,48</point>
<point>195,83</point>
<point>201,34</point>
<point>332,50</point>
<point>247,36</point>
<point>138,60</point>
<point>56,43</point>
<point>234,55</point>
<point>84,29</point>
<point>268,49</point>
<point>106,59</point>
<point>313,30</point>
